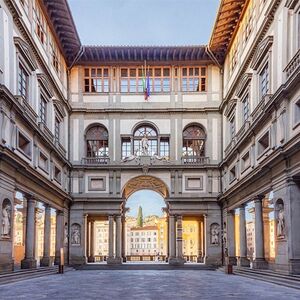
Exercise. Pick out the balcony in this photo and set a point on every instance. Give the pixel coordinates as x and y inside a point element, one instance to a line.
<point>101,160</point>
<point>293,66</point>
<point>195,160</point>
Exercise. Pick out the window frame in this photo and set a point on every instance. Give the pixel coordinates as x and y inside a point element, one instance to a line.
<point>102,79</point>
<point>28,139</point>
<point>43,99</point>
<point>48,161</point>
<point>265,65</point>
<point>101,141</point>
<point>22,67</point>
<point>260,154</point>
<point>193,77</point>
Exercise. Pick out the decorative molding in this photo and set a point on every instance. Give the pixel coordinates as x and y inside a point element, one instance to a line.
<point>261,51</point>
<point>43,80</point>
<point>59,107</point>
<point>26,52</point>
<point>244,82</point>
<point>230,107</point>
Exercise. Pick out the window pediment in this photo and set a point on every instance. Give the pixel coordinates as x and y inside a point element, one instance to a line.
<point>26,52</point>
<point>230,107</point>
<point>261,52</point>
<point>243,84</point>
<point>43,80</point>
<point>59,107</point>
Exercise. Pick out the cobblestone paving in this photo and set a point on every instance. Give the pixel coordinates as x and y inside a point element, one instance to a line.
<point>143,285</point>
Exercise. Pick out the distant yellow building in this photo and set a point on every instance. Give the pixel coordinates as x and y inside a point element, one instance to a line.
<point>191,237</point>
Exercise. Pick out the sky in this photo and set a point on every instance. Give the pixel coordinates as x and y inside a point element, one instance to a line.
<point>144,22</point>
<point>150,201</point>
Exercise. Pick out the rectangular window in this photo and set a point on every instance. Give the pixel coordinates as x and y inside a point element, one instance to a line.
<point>23,79</point>
<point>57,130</point>
<point>43,161</point>
<point>24,144</point>
<point>232,174</point>
<point>55,56</point>
<point>264,81</point>
<point>164,148</point>
<point>43,110</point>
<point>126,147</point>
<point>246,108</point>
<point>193,79</point>
<point>96,80</point>
<point>233,55</point>
<point>263,143</point>
<point>248,23</point>
<point>232,127</point>
<point>57,174</point>
<point>245,162</point>
<point>40,24</point>
<point>297,112</point>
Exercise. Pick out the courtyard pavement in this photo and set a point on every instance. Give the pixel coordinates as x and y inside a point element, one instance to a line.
<point>145,284</point>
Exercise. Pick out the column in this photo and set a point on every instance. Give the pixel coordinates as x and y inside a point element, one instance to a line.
<point>179,252</point>
<point>45,261</point>
<point>200,244</point>
<point>243,261</point>
<point>172,236</point>
<point>259,260</point>
<point>110,239</point>
<point>88,240</point>
<point>91,257</point>
<point>231,258</point>
<point>124,239</point>
<point>118,239</point>
<point>204,233</point>
<point>29,261</point>
<point>59,241</point>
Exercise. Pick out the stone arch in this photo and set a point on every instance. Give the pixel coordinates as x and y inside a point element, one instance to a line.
<point>6,216</point>
<point>145,182</point>
<point>145,123</point>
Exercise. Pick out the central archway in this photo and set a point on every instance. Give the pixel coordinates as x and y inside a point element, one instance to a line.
<point>145,211</point>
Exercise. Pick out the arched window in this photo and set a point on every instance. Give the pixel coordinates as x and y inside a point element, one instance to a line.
<point>148,133</point>
<point>97,142</point>
<point>193,142</point>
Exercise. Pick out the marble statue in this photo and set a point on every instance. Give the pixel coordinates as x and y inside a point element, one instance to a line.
<point>75,234</point>
<point>215,234</point>
<point>145,145</point>
<point>280,222</point>
<point>6,220</point>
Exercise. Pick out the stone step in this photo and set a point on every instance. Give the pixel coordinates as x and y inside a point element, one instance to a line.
<point>29,274</point>
<point>270,279</point>
<point>129,266</point>
<point>270,273</point>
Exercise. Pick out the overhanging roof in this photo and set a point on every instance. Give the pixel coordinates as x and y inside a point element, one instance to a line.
<point>139,54</point>
<point>59,14</point>
<point>228,18</point>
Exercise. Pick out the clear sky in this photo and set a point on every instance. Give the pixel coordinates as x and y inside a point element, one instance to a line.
<point>150,201</point>
<point>144,22</point>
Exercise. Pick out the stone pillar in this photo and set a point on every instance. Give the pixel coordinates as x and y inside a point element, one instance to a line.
<point>178,259</point>
<point>231,258</point>
<point>46,261</point>
<point>124,239</point>
<point>88,240</point>
<point>204,233</point>
<point>59,241</point>
<point>172,238</point>
<point>29,261</point>
<point>91,257</point>
<point>200,244</point>
<point>110,239</point>
<point>259,260</point>
<point>118,258</point>
<point>242,260</point>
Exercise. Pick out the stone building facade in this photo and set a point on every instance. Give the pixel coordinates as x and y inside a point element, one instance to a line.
<point>219,129</point>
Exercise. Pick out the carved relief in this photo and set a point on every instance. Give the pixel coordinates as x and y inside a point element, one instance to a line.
<point>6,218</point>
<point>75,234</point>
<point>215,234</point>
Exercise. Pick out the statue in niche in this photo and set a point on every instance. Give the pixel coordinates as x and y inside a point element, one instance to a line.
<point>215,233</point>
<point>66,234</point>
<point>75,234</point>
<point>145,145</point>
<point>6,225</point>
<point>280,222</point>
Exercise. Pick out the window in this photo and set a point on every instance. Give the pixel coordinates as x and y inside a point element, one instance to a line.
<point>297,112</point>
<point>126,147</point>
<point>24,144</point>
<point>43,110</point>
<point>43,161</point>
<point>23,79</point>
<point>55,56</point>
<point>57,130</point>
<point>246,107</point>
<point>193,143</point>
<point>233,55</point>
<point>264,81</point>
<point>57,174</point>
<point>133,80</point>
<point>232,127</point>
<point>40,24</point>
<point>164,147</point>
<point>97,142</point>
<point>149,133</point>
<point>232,174</point>
<point>96,80</point>
<point>263,143</point>
<point>249,17</point>
<point>193,79</point>
<point>245,162</point>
